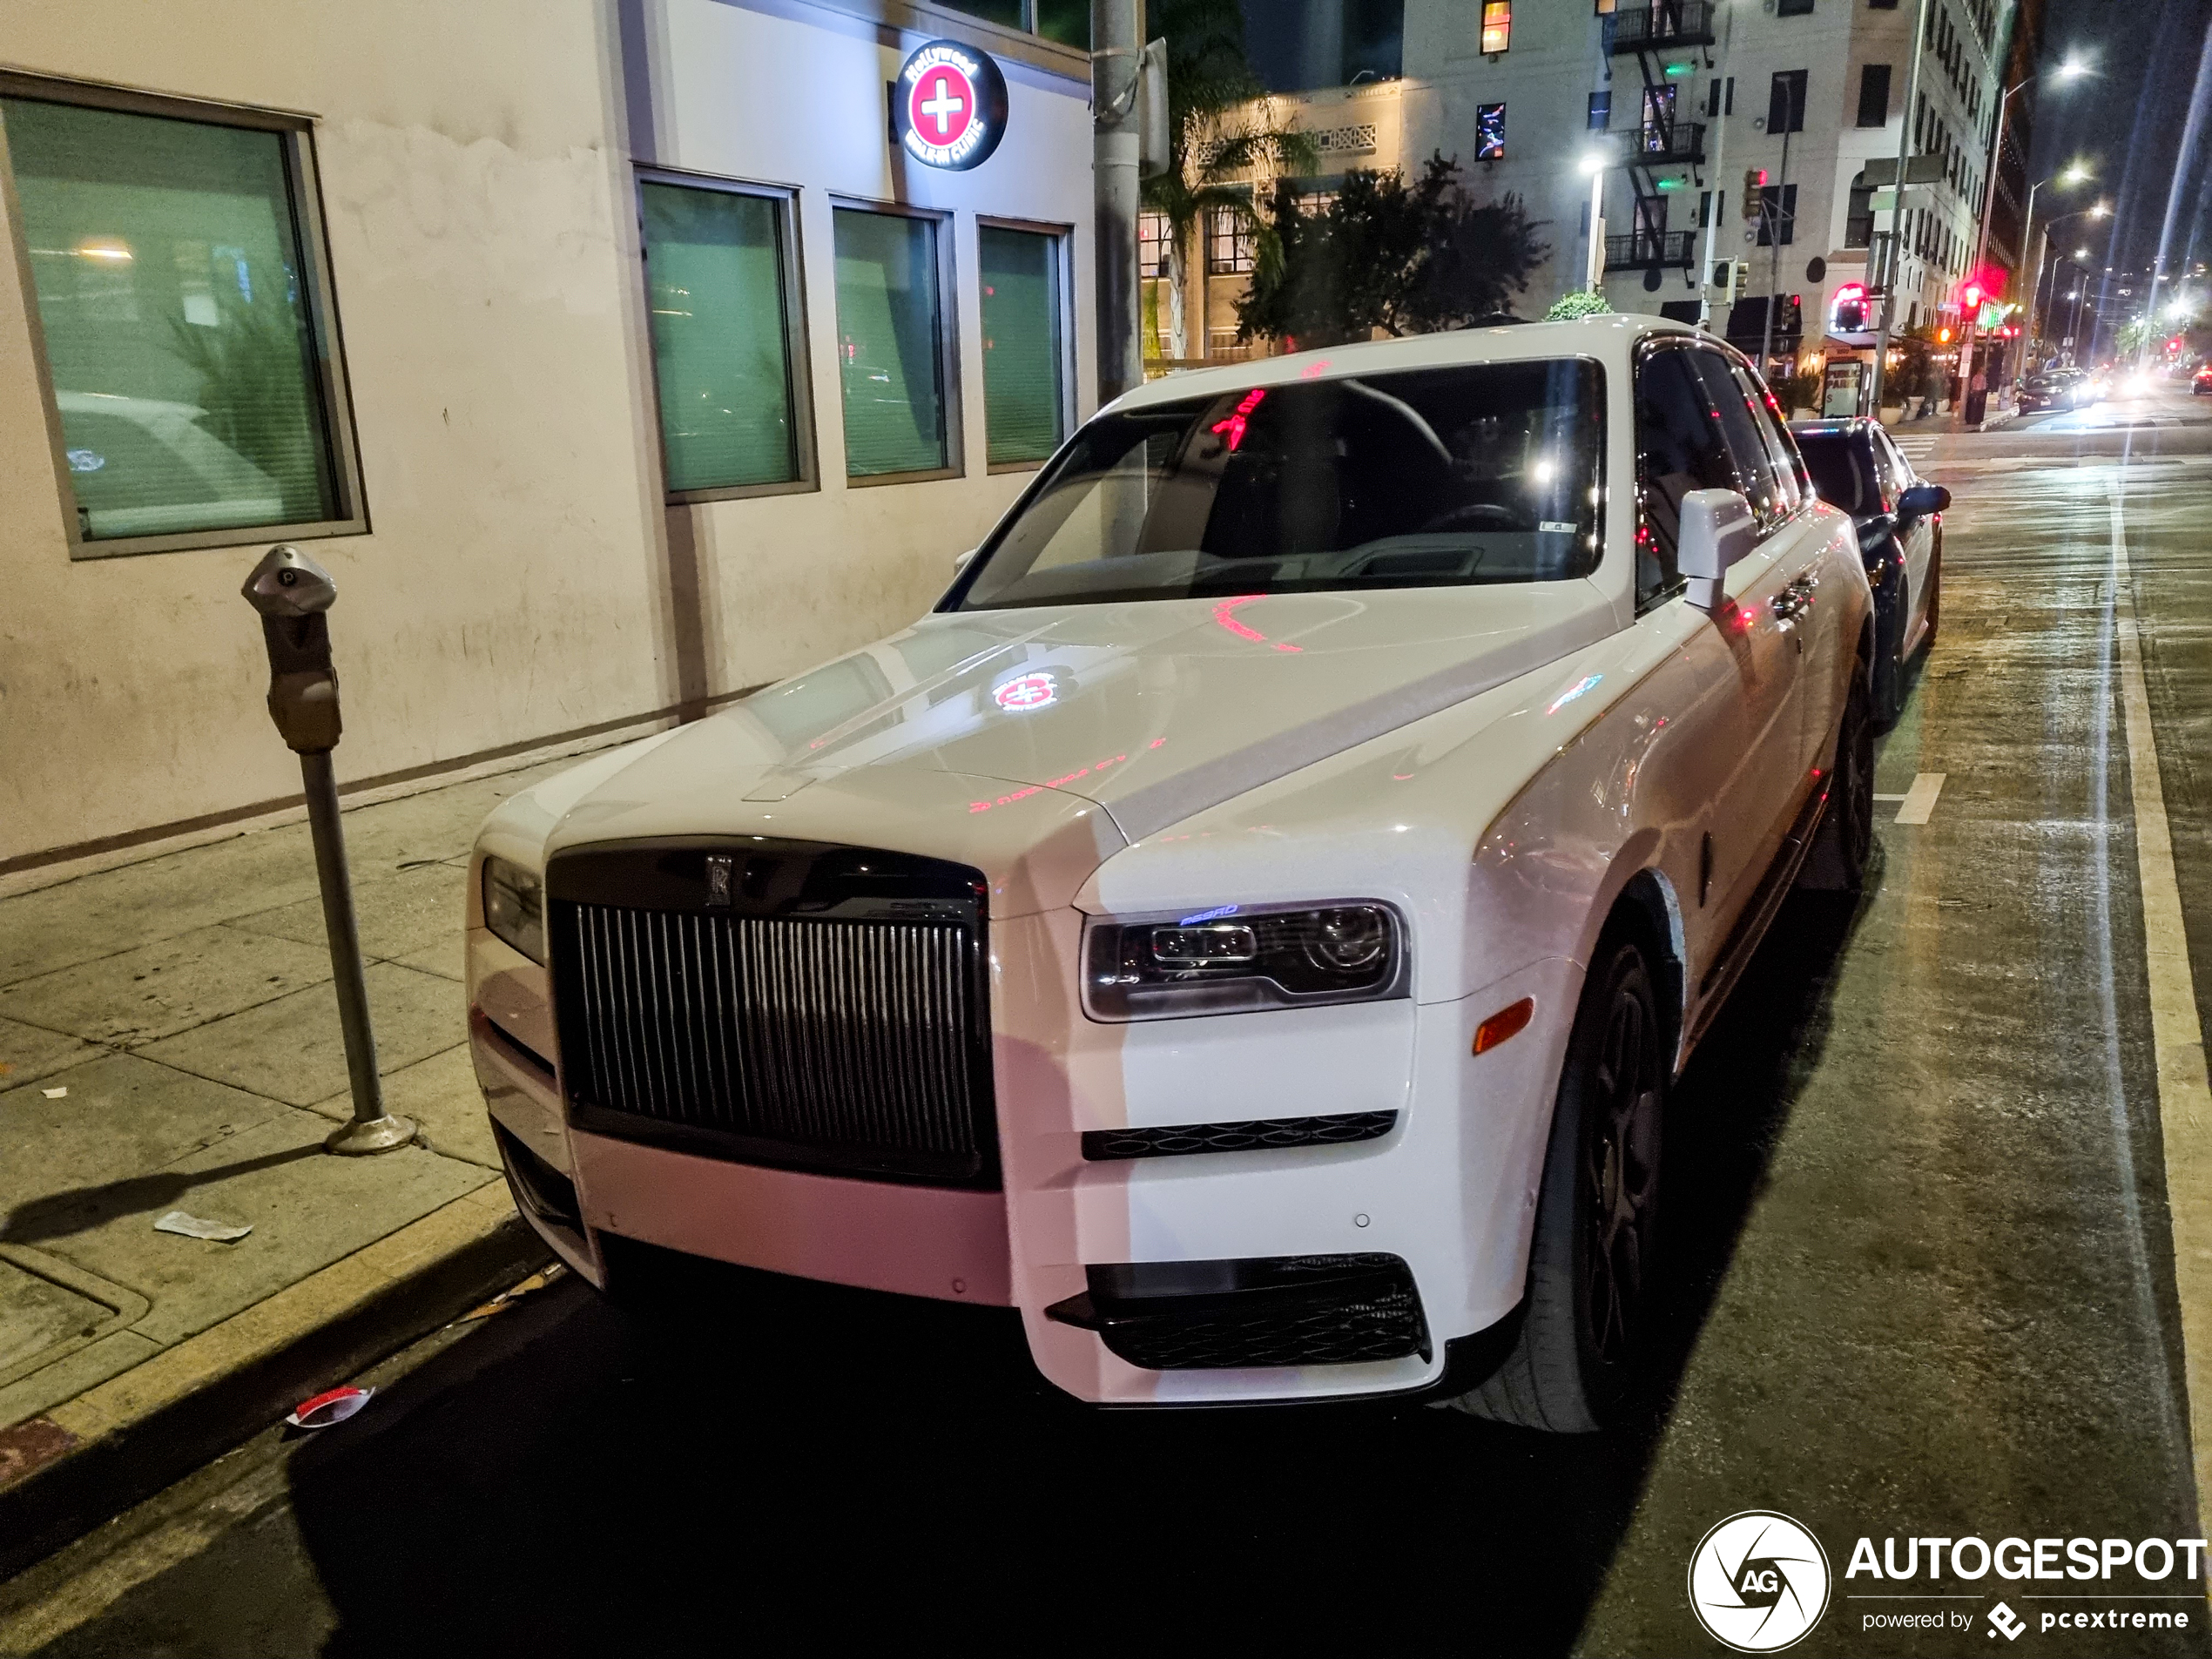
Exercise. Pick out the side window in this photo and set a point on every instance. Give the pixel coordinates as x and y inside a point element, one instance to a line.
<point>1754,460</point>
<point>1791,486</point>
<point>1679,449</point>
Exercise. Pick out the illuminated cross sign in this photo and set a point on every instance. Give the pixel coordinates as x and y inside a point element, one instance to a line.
<point>948,107</point>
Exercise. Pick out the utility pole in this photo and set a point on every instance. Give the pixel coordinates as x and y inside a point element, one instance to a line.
<point>1896,213</point>
<point>1720,173</point>
<point>1789,119</point>
<point>1115,141</point>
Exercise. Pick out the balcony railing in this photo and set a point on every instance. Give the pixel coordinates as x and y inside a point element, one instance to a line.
<point>1642,250</point>
<point>1662,24</point>
<point>1656,143</point>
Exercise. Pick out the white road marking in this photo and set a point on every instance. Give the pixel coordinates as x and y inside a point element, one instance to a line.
<point>2184,1093</point>
<point>1918,802</point>
<point>1893,800</point>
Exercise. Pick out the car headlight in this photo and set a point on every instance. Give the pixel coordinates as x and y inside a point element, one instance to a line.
<point>1232,960</point>
<point>515,907</point>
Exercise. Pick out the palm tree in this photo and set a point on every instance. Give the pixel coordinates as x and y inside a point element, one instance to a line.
<point>1217,129</point>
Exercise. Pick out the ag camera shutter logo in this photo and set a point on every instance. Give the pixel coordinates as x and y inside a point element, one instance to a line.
<point>1758,1581</point>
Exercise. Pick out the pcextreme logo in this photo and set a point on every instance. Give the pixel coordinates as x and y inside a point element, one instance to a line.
<point>1758,1581</point>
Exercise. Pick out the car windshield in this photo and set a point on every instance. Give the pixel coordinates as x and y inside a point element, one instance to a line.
<point>1842,470</point>
<point>1441,477</point>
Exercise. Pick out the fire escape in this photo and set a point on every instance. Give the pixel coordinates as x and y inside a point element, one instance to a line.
<point>1660,139</point>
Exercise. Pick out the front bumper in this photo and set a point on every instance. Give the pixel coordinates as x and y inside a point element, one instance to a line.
<point>1449,1190</point>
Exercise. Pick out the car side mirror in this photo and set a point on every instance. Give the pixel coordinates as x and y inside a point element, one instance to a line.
<point>1923,500</point>
<point>1716,531</point>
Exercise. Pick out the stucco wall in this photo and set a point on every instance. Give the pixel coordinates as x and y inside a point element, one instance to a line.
<point>522,578</point>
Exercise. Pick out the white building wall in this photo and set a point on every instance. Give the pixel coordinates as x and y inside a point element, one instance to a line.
<point>522,579</point>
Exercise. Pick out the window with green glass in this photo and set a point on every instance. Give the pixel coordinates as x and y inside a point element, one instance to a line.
<point>717,273</point>
<point>891,343</point>
<point>1024,405</point>
<point>175,299</point>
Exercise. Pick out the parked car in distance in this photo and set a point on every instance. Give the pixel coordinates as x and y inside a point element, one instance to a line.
<point>1856,466</point>
<point>1252,925</point>
<point>2201,382</point>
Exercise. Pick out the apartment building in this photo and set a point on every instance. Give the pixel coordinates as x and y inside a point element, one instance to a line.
<point>1675,102</point>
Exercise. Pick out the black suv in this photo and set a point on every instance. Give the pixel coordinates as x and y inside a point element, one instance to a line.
<point>1855,467</point>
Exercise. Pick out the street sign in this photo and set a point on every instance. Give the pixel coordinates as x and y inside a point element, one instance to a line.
<point>1920,169</point>
<point>948,107</point>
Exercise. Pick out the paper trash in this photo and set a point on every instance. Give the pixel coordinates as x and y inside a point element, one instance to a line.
<point>192,1227</point>
<point>54,1093</point>
<point>333,1406</point>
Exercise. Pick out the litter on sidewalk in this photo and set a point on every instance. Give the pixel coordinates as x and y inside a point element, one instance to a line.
<point>333,1405</point>
<point>194,1227</point>
<point>55,1094</point>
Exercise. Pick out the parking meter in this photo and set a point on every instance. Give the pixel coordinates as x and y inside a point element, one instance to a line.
<point>294,595</point>
<point>293,592</point>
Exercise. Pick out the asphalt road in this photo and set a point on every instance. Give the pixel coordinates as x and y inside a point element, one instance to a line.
<point>1922,1276</point>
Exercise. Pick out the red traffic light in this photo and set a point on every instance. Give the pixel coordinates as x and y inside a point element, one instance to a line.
<point>1972,295</point>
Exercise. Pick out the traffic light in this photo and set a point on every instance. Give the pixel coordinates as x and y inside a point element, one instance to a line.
<point>1754,192</point>
<point>1972,297</point>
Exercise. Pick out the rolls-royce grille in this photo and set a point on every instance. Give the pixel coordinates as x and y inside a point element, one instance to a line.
<point>850,1043</point>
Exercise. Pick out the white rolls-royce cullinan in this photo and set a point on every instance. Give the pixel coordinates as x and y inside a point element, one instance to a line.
<point>1251,924</point>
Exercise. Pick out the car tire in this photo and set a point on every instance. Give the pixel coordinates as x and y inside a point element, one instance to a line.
<point>1931,608</point>
<point>1844,841</point>
<point>1889,677</point>
<point>1583,1342</point>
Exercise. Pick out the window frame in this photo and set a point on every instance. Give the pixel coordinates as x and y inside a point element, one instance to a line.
<point>797,361</point>
<point>1484,25</point>
<point>327,377</point>
<point>1062,238</point>
<point>1238,237</point>
<point>947,341</point>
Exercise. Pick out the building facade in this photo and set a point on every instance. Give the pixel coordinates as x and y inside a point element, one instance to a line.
<point>614,357</point>
<point>1684,106</point>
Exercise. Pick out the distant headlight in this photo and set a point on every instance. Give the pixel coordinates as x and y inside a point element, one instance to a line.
<point>1231,961</point>
<point>515,907</point>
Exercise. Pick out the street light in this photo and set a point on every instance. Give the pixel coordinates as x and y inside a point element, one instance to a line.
<point>1594,165</point>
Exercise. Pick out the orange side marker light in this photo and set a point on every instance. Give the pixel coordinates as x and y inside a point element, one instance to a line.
<point>1506,1023</point>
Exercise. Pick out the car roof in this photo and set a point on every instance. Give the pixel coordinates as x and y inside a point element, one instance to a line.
<point>1607,337</point>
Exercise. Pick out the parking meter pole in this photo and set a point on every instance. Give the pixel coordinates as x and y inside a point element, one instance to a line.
<point>292,592</point>
<point>373,1129</point>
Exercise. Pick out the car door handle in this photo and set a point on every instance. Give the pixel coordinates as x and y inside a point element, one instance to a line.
<point>1796,599</point>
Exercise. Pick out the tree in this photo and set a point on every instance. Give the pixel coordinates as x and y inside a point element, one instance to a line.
<point>1216,129</point>
<point>1406,259</point>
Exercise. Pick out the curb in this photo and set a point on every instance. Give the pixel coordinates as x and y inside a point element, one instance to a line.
<point>65,1471</point>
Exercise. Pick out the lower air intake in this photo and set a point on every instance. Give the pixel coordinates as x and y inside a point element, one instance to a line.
<point>1259,1313</point>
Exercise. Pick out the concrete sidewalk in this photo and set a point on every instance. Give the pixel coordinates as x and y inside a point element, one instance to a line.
<point>169,1039</point>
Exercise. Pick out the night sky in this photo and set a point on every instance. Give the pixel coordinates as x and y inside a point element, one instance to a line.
<point>2146,114</point>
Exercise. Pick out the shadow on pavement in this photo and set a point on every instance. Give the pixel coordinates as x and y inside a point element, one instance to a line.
<point>751,1456</point>
<point>78,1210</point>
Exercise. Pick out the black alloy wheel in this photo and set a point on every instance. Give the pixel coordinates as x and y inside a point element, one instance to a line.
<point>1584,1341</point>
<point>1619,1171</point>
